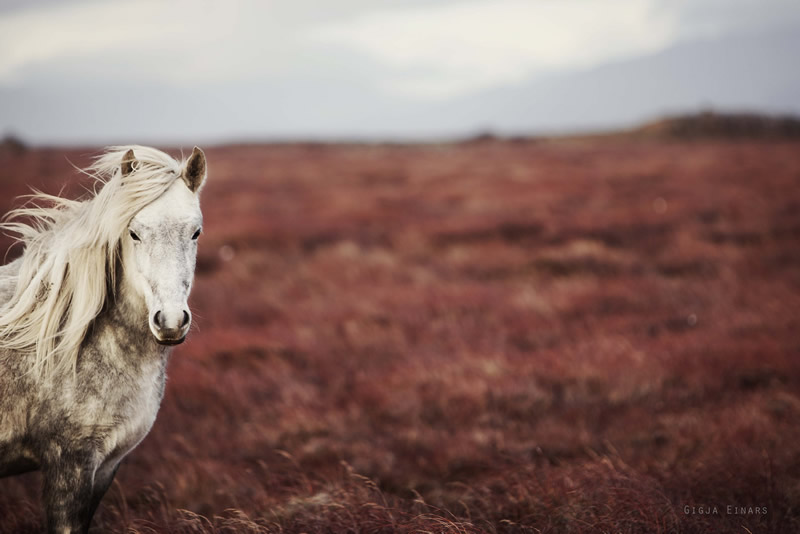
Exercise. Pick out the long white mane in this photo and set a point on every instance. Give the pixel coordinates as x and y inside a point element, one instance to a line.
<point>70,256</point>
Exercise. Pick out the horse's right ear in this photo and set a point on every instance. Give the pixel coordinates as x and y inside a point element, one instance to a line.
<point>128,162</point>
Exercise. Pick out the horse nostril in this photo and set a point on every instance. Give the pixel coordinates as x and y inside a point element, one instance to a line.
<point>157,319</point>
<point>185,318</point>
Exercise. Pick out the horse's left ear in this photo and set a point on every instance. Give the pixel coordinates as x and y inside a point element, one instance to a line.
<point>194,174</point>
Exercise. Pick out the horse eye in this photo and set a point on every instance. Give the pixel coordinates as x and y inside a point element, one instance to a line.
<point>196,234</point>
<point>134,236</point>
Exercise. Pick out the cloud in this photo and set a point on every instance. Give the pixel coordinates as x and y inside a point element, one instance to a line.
<point>418,49</point>
<point>716,18</point>
<point>180,41</point>
<point>459,48</point>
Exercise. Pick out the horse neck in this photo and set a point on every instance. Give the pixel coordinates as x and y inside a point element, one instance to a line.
<point>122,330</point>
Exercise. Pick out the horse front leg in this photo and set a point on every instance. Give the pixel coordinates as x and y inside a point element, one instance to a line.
<point>68,491</point>
<point>102,481</point>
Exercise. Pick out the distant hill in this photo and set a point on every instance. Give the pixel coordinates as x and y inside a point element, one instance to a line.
<point>703,125</point>
<point>12,144</point>
<point>722,125</point>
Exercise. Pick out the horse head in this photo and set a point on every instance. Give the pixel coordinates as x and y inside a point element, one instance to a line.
<point>159,252</point>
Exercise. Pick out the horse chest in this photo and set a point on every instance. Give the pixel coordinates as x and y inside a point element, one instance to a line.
<point>135,414</point>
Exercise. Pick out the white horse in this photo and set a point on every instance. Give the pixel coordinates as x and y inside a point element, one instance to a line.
<point>87,317</point>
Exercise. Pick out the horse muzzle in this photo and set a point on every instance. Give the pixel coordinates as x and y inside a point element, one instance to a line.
<point>170,332</point>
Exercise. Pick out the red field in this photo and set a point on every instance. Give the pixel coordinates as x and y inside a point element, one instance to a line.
<point>554,336</point>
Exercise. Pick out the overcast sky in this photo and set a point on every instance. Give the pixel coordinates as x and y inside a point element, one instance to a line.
<point>97,71</point>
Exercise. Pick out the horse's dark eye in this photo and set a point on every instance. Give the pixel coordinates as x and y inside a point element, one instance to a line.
<point>134,236</point>
<point>196,234</point>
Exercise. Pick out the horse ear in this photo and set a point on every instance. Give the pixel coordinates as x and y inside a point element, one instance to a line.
<point>128,162</point>
<point>194,174</point>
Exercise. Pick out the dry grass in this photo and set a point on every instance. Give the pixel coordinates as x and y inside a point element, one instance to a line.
<point>489,337</point>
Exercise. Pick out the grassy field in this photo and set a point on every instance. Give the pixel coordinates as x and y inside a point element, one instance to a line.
<point>491,336</point>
